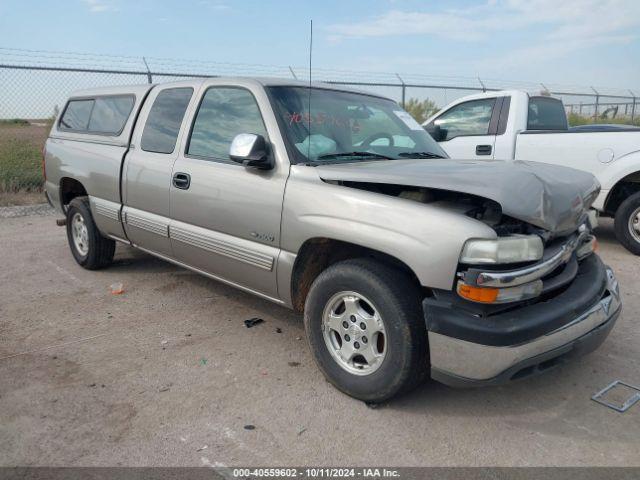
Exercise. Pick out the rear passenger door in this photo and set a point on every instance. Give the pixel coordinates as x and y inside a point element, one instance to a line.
<point>147,175</point>
<point>466,130</point>
<point>226,217</point>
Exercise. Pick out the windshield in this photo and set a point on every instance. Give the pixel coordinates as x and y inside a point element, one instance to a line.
<point>348,127</point>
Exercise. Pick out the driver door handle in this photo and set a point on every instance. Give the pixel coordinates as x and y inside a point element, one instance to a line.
<point>182,180</point>
<point>483,149</point>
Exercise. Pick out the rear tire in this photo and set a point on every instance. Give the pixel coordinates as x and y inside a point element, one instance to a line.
<point>89,248</point>
<point>387,357</point>
<point>627,223</point>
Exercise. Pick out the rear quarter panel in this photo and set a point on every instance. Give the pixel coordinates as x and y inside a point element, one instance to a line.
<point>97,168</point>
<point>609,156</point>
<point>594,152</point>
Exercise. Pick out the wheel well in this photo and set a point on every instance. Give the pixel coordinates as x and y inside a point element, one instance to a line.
<point>621,190</point>
<point>70,188</point>
<point>317,254</point>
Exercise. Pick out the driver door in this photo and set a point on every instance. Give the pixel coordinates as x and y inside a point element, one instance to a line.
<point>226,217</point>
<point>465,129</point>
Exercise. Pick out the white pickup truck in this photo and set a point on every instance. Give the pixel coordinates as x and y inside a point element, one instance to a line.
<point>512,125</point>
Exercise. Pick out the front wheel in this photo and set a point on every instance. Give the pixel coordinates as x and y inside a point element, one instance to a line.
<point>627,223</point>
<point>89,248</point>
<point>366,330</point>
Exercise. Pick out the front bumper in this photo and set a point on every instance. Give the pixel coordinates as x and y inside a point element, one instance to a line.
<point>472,350</point>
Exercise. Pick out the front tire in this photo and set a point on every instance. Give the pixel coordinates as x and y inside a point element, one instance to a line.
<point>366,330</point>
<point>627,223</point>
<point>89,248</point>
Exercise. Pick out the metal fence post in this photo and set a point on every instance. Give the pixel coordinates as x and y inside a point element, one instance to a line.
<point>404,90</point>
<point>484,89</point>
<point>293,73</point>
<point>633,107</point>
<point>149,77</point>
<point>595,114</point>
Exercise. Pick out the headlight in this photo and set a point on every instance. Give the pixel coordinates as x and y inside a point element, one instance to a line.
<point>514,249</point>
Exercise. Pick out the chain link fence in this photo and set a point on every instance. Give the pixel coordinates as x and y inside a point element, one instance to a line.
<point>34,84</point>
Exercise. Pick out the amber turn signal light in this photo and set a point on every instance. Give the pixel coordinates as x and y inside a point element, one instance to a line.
<point>478,294</point>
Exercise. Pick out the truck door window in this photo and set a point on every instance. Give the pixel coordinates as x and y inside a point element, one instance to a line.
<point>110,114</point>
<point>466,119</point>
<point>165,117</point>
<point>76,115</point>
<point>546,113</point>
<point>223,113</point>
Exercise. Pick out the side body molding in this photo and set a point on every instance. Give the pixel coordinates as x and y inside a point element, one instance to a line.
<point>225,245</point>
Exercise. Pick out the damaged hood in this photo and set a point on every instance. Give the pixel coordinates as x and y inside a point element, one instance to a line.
<point>548,196</point>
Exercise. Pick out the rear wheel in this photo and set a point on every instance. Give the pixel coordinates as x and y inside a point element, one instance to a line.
<point>365,327</point>
<point>89,248</point>
<point>627,223</point>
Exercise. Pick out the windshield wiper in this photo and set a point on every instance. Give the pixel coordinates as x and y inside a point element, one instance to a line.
<point>330,156</point>
<point>419,155</point>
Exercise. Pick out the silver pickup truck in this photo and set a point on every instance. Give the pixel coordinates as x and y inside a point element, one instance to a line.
<point>337,204</point>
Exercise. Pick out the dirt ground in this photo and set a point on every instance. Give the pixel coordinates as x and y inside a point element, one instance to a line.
<point>168,375</point>
<point>9,199</point>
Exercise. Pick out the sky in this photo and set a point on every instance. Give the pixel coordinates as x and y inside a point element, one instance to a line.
<point>569,42</point>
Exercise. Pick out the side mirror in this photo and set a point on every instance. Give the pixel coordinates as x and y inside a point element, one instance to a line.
<point>436,132</point>
<point>251,151</point>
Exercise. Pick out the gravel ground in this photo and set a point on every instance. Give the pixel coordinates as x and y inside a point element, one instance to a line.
<point>168,375</point>
<point>40,209</point>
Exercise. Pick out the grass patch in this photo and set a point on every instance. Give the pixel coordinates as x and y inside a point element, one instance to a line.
<point>576,119</point>
<point>20,165</point>
<point>13,121</point>
<point>12,199</point>
<point>21,157</point>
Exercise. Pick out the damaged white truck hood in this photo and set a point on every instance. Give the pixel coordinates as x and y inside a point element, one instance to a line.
<point>548,196</point>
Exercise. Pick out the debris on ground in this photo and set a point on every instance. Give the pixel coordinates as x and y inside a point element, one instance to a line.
<point>92,385</point>
<point>618,396</point>
<point>117,288</point>
<point>278,330</point>
<point>293,364</point>
<point>301,431</point>
<point>249,427</point>
<point>165,388</point>
<point>164,342</point>
<point>203,361</point>
<point>298,338</point>
<point>204,447</point>
<point>252,322</point>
